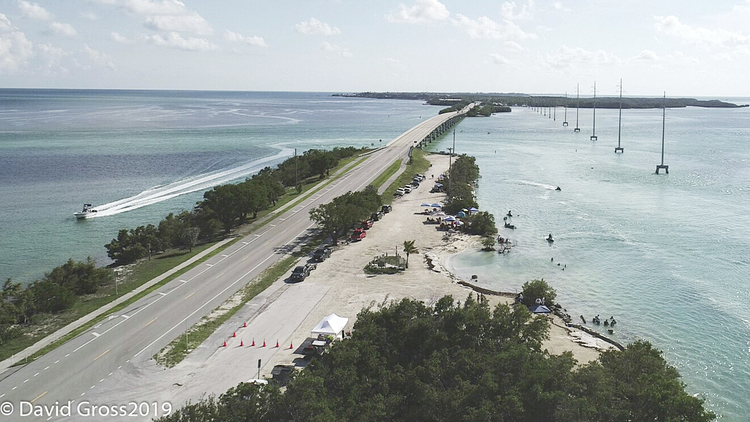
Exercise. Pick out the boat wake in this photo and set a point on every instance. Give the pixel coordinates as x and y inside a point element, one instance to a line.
<point>182,187</point>
<point>541,185</point>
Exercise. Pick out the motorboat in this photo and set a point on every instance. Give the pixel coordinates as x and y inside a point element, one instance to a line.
<point>87,211</point>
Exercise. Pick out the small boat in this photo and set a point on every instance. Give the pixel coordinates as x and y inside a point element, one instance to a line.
<point>86,212</point>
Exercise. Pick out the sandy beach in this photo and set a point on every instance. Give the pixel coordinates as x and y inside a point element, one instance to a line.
<point>285,313</point>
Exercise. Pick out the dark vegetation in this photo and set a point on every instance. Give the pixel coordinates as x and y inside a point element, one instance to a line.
<point>224,207</point>
<point>408,361</point>
<point>56,297</point>
<point>346,211</point>
<point>56,292</point>
<point>515,99</point>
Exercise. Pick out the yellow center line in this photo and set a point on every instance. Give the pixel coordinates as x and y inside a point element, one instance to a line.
<point>39,397</point>
<point>188,296</point>
<point>149,323</point>
<point>101,355</point>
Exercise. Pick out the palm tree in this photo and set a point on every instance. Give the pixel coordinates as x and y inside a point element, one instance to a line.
<point>409,248</point>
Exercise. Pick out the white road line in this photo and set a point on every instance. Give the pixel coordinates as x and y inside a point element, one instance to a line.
<point>183,281</point>
<point>27,380</point>
<point>14,388</point>
<point>101,380</point>
<point>119,367</point>
<point>68,354</point>
<point>162,293</point>
<point>110,374</point>
<point>125,316</point>
<point>57,361</point>
<point>95,334</point>
<point>179,324</point>
<point>209,265</point>
<point>92,387</point>
<point>83,394</point>
<point>36,374</point>
<point>46,368</point>
<point>2,395</point>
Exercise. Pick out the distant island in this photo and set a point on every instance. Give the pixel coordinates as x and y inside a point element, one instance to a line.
<point>520,100</point>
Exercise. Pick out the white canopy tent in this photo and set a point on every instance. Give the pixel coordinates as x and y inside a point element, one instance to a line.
<point>330,325</point>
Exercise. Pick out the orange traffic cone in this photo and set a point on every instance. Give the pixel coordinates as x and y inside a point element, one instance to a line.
<point>264,343</point>
<point>253,342</point>
<point>244,325</point>
<point>225,344</point>
<point>277,343</point>
<point>291,345</point>
<point>242,343</point>
<point>234,334</point>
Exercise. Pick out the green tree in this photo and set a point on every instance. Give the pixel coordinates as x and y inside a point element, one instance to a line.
<point>481,223</point>
<point>538,289</point>
<point>409,249</point>
<point>488,243</point>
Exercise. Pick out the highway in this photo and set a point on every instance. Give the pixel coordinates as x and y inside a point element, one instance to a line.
<point>132,336</point>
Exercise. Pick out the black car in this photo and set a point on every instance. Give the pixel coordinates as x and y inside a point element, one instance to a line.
<point>385,209</point>
<point>301,272</point>
<point>321,254</point>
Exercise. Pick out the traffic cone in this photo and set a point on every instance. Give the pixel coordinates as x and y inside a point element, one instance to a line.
<point>264,343</point>
<point>242,343</point>
<point>253,342</point>
<point>277,343</point>
<point>234,334</point>
<point>291,345</point>
<point>244,325</point>
<point>225,344</point>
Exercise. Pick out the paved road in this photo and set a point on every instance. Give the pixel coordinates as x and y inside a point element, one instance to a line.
<point>136,333</point>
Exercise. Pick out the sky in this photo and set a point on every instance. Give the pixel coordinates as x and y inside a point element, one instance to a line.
<point>692,48</point>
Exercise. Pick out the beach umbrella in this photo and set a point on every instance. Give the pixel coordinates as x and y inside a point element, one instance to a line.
<point>540,309</point>
<point>473,209</point>
<point>459,223</point>
<point>461,214</point>
<point>426,205</point>
<point>449,218</point>
<point>440,214</point>
<point>439,185</point>
<point>437,205</point>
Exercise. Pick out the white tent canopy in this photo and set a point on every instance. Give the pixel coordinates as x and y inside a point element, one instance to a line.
<point>330,325</point>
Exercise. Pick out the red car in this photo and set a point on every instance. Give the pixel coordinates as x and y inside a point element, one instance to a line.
<point>358,234</point>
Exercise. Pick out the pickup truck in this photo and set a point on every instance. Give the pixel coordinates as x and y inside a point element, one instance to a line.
<point>301,272</point>
<point>358,234</point>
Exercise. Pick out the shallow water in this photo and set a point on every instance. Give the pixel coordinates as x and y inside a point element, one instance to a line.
<point>666,255</point>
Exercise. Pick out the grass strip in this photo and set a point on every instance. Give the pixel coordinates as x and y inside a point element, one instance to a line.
<point>390,171</point>
<point>417,164</point>
<point>179,348</point>
<point>146,275</point>
<point>145,271</point>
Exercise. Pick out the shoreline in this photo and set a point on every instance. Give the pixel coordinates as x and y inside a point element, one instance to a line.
<point>270,329</point>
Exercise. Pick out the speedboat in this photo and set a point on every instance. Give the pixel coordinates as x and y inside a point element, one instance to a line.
<point>87,212</point>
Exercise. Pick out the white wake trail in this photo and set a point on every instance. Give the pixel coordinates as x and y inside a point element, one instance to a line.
<point>181,187</point>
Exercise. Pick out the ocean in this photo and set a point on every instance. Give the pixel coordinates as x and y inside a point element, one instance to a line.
<point>666,255</point>
<point>139,155</point>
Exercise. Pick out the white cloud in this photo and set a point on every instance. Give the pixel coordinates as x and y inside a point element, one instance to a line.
<point>15,49</point>
<point>333,48</point>
<point>484,27</point>
<point>235,37</point>
<point>526,11</point>
<point>52,58</point>
<point>174,40</point>
<point>99,57</point>
<point>566,57</point>
<point>63,29</point>
<point>314,26</point>
<point>702,37</point>
<point>164,15</point>
<point>88,15</point>
<point>499,59</point>
<point>192,22</point>
<point>33,11</point>
<point>424,11</point>
<point>646,55</point>
<point>148,7</point>
<point>559,6</point>
<point>120,39</point>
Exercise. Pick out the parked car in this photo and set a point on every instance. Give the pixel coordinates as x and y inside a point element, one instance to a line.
<point>321,254</point>
<point>376,216</point>
<point>367,224</point>
<point>399,192</point>
<point>358,234</point>
<point>407,188</point>
<point>301,272</point>
<point>385,209</point>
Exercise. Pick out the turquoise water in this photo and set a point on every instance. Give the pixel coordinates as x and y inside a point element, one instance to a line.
<point>667,255</point>
<point>139,155</point>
